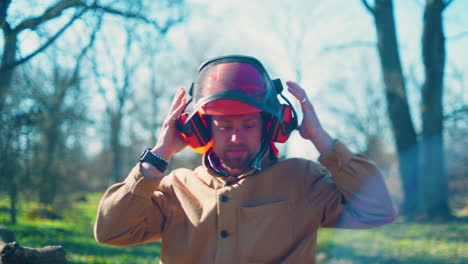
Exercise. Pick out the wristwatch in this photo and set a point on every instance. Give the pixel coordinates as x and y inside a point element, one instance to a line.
<point>153,159</point>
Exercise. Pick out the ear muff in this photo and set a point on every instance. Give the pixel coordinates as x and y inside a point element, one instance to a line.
<point>195,132</point>
<point>279,130</point>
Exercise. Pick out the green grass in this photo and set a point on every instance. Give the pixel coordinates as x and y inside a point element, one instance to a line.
<point>399,242</point>
<point>75,234</point>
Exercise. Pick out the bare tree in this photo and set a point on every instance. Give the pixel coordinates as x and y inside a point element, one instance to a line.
<point>434,172</point>
<point>417,199</point>
<point>118,96</point>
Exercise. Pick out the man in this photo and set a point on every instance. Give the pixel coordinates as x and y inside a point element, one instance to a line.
<point>243,205</point>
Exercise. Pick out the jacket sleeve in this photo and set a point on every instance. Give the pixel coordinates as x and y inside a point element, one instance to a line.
<point>131,212</point>
<point>357,196</point>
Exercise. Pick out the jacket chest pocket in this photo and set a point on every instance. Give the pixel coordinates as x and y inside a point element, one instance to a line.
<point>264,232</point>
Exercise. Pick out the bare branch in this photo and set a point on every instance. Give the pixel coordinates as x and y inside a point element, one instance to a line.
<point>446,3</point>
<point>45,45</point>
<point>127,68</point>
<point>3,13</point>
<point>457,36</point>
<point>56,10</point>
<point>85,49</point>
<point>457,114</point>
<point>155,24</point>
<point>351,44</point>
<point>368,7</point>
<point>51,13</point>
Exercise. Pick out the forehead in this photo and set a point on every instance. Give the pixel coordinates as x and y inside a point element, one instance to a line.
<point>233,118</point>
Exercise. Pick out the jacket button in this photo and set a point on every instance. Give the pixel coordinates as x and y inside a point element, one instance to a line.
<point>224,234</point>
<point>224,198</point>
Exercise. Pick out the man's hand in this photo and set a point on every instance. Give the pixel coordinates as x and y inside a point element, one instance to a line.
<point>169,140</point>
<point>310,128</point>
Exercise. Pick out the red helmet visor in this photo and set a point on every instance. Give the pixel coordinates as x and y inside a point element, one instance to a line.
<point>234,85</point>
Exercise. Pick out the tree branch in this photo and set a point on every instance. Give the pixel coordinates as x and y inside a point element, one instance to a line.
<point>458,36</point>
<point>85,49</point>
<point>457,114</point>
<point>3,13</point>
<point>56,10</point>
<point>368,7</point>
<point>446,3</point>
<point>51,13</point>
<point>45,45</point>
<point>155,24</point>
<point>352,44</point>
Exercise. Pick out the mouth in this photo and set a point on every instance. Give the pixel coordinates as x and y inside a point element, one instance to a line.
<point>236,152</point>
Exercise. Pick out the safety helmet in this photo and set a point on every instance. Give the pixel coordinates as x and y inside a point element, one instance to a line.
<point>231,85</point>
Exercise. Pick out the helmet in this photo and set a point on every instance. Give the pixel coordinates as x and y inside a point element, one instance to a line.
<point>231,85</point>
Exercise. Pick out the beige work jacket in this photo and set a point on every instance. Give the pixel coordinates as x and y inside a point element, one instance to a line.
<point>271,216</point>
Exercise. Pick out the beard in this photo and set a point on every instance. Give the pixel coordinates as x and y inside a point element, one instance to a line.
<point>236,159</point>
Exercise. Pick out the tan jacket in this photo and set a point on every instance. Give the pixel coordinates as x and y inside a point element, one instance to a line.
<point>268,217</point>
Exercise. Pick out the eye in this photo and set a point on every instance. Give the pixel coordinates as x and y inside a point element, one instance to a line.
<point>248,126</point>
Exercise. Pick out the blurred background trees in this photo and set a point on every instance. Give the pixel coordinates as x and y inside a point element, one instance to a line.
<point>45,94</point>
<point>85,85</point>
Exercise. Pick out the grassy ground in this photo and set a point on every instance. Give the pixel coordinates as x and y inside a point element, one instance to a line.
<point>398,242</point>
<point>75,234</point>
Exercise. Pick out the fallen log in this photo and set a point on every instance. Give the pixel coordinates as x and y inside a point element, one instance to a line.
<point>11,252</point>
<point>14,253</point>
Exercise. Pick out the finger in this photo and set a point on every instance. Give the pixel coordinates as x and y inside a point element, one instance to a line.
<point>177,98</point>
<point>178,111</point>
<point>297,91</point>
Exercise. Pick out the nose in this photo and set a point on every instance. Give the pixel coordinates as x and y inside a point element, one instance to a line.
<point>236,136</point>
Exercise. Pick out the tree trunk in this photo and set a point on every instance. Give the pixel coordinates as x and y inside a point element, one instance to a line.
<point>434,174</point>
<point>116,121</point>
<point>8,58</point>
<point>13,193</point>
<point>9,165</point>
<point>47,187</point>
<point>397,105</point>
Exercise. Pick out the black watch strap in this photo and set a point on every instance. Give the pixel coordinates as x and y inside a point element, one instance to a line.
<point>153,159</point>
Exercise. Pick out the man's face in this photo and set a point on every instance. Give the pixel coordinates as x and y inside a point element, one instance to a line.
<point>236,140</point>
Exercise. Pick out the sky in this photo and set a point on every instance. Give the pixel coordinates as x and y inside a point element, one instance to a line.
<point>328,42</point>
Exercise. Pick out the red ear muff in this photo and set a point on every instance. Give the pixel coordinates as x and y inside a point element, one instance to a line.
<point>279,130</point>
<point>195,132</point>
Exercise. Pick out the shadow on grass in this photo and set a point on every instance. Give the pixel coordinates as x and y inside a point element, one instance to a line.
<point>340,254</point>
<point>146,251</point>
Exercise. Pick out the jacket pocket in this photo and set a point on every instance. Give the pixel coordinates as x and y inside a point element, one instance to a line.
<point>264,232</point>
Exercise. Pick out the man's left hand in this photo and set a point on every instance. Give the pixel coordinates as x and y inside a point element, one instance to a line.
<point>310,127</point>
